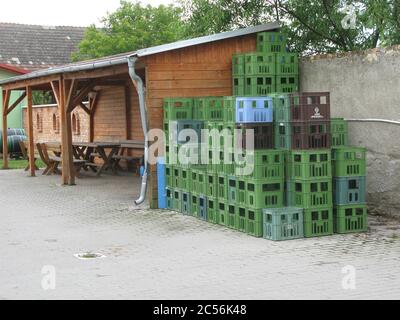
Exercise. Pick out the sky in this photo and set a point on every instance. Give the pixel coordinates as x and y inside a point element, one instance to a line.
<point>61,12</point>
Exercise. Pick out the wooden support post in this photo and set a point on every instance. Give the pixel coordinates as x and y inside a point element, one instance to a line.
<point>6,101</point>
<point>93,101</point>
<point>67,92</point>
<point>31,148</point>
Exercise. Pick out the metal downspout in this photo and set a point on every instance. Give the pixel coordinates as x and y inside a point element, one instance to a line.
<point>143,115</point>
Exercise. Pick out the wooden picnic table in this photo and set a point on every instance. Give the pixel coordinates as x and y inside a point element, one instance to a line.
<point>89,150</point>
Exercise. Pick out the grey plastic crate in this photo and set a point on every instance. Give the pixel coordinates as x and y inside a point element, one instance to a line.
<point>202,208</point>
<point>170,198</point>
<point>186,203</point>
<point>349,190</point>
<point>283,223</point>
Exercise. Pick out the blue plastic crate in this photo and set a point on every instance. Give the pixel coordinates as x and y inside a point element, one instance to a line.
<point>349,190</point>
<point>254,110</point>
<point>283,223</point>
<point>161,183</point>
<point>202,208</point>
<point>186,201</point>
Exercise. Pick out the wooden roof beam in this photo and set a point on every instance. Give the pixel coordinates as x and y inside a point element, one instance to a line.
<point>16,103</point>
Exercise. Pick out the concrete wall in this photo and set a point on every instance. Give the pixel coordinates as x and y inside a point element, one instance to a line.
<point>366,85</point>
<point>14,119</point>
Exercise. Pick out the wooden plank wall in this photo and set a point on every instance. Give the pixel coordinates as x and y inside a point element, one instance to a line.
<point>110,121</point>
<point>204,70</point>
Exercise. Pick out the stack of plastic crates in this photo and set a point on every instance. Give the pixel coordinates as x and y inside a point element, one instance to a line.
<point>271,69</point>
<point>349,189</point>
<point>309,186</point>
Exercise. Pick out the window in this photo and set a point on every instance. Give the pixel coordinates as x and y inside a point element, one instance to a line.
<point>39,123</point>
<point>56,123</point>
<point>76,125</point>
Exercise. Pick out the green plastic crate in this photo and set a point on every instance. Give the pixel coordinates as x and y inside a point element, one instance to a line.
<point>178,109</point>
<point>274,42</point>
<point>254,222</point>
<point>260,63</point>
<point>229,107</point>
<point>216,161</point>
<point>263,164</point>
<point>267,194</point>
<point>339,132</point>
<point>281,104</point>
<point>310,193</point>
<point>232,211</point>
<point>287,64</point>
<point>350,219</point>
<point>177,200</point>
<point>238,67</point>
<point>259,85</point>
<point>176,176</point>
<point>287,84</point>
<point>186,203</point>
<point>185,176</point>
<point>339,125</point>
<point>220,135</point>
<point>318,222</point>
<point>222,185</point>
<point>170,198</point>
<point>209,109</point>
<point>241,218</point>
<point>199,181</point>
<point>229,164</point>
<point>212,210</point>
<point>310,164</point>
<point>222,213</point>
<point>282,136</point>
<point>283,223</point>
<point>238,86</point>
<point>194,204</point>
<point>349,161</point>
<point>212,185</point>
<point>168,176</point>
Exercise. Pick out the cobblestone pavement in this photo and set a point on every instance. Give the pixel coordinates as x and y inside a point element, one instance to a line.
<point>154,254</point>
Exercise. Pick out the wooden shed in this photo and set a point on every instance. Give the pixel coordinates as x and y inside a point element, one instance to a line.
<point>126,91</point>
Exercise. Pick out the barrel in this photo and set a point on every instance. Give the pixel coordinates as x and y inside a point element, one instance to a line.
<point>13,144</point>
<point>13,132</point>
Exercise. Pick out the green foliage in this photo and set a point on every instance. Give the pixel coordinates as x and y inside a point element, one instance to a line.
<point>42,97</point>
<point>132,27</point>
<point>313,26</point>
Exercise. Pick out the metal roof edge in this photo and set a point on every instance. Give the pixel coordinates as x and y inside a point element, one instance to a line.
<point>122,58</point>
<point>207,39</point>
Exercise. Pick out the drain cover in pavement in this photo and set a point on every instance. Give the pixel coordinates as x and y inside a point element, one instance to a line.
<point>89,256</point>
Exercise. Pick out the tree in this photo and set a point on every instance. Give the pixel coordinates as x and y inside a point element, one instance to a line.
<point>314,26</point>
<point>132,27</point>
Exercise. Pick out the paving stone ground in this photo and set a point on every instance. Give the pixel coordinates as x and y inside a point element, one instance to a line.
<point>155,254</point>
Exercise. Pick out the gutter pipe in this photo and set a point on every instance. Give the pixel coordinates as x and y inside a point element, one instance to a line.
<point>143,115</point>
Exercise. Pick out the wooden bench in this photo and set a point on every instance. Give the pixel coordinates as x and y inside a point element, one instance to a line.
<point>52,162</point>
<point>127,145</point>
<point>25,155</point>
